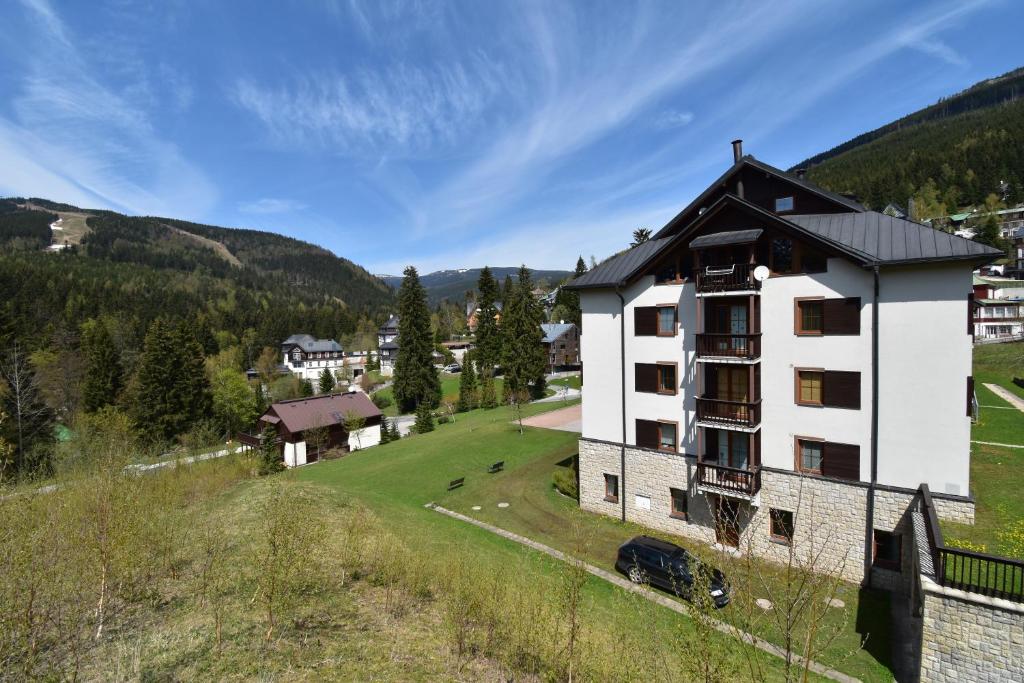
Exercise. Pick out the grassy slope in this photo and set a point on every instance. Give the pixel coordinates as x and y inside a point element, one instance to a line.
<point>997,474</point>
<point>449,392</point>
<point>398,479</point>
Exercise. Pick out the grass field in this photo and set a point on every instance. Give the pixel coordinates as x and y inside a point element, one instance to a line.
<point>449,392</point>
<point>573,382</point>
<point>396,480</point>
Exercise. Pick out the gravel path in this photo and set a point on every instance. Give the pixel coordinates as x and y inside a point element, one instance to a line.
<point>1006,395</point>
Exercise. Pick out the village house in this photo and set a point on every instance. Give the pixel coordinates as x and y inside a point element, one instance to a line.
<point>472,313</point>
<point>306,357</point>
<point>308,427</point>
<point>997,308</point>
<point>780,366</point>
<point>561,345</point>
<point>387,346</point>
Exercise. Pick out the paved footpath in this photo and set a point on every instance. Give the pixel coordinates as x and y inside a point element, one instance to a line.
<point>1006,395</point>
<point>654,597</point>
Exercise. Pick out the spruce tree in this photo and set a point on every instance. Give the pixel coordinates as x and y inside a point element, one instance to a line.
<point>569,300</point>
<point>193,385</point>
<point>467,386</point>
<point>326,381</point>
<point>488,341</point>
<point>424,419</point>
<point>395,433</point>
<point>488,396</point>
<point>385,431</point>
<point>507,290</point>
<point>103,373</point>
<point>416,380</point>
<point>523,358</point>
<point>307,388</point>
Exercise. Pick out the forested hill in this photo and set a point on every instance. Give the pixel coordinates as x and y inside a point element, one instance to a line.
<point>241,283</point>
<point>452,285</point>
<point>966,144</point>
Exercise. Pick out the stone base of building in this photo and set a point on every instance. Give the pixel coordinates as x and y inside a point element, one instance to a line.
<point>829,516</point>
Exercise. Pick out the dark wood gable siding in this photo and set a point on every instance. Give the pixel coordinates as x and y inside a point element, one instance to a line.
<point>646,377</point>
<point>841,460</point>
<point>647,433</point>
<point>841,316</point>
<point>841,389</point>
<point>762,189</point>
<point>645,321</point>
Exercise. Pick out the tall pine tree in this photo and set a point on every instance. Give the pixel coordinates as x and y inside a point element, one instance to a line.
<point>568,301</point>
<point>416,380</point>
<point>488,340</point>
<point>103,373</point>
<point>467,385</point>
<point>523,358</point>
<point>326,381</point>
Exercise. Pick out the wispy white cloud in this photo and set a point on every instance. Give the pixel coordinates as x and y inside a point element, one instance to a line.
<point>269,205</point>
<point>74,131</point>
<point>940,49</point>
<point>672,118</point>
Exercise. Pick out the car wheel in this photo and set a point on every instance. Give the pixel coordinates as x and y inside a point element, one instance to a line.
<point>635,575</point>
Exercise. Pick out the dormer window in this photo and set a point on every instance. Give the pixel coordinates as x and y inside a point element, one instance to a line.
<point>783,204</point>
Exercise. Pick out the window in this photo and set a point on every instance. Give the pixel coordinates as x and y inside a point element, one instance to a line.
<point>667,436</point>
<point>611,488</point>
<point>666,321</point>
<point>783,204</point>
<point>782,255</point>
<point>808,387</point>
<point>810,316</point>
<point>781,523</point>
<point>809,454</point>
<point>679,503</point>
<point>888,547</point>
<point>666,378</point>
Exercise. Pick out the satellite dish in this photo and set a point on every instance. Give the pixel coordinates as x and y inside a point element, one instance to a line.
<point>761,273</point>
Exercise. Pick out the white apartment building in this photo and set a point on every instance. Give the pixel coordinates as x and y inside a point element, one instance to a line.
<point>780,367</point>
<point>307,357</point>
<point>997,308</point>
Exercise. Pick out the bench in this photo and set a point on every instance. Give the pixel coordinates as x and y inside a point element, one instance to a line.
<point>496,467</point>
<point>456,483</point>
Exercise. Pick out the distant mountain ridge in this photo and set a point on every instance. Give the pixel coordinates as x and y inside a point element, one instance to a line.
<point>454,283</point>
<point>968,145</point>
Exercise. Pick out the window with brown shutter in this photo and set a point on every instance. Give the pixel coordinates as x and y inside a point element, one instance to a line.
<point>841,389</point>
<point>841,316</point>
<point>645,321</point>
<point>647,434</point>
<point>646,377</point>
<point>970,314</point>
<point>667,381</point>
<point>840,460</point>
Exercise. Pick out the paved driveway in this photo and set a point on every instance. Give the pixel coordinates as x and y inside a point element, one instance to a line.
<point>565,419</point>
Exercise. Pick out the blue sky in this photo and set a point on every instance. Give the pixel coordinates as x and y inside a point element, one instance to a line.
<point>456,134</point>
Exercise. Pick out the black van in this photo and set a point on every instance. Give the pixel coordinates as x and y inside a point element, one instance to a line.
<point>665,565</point>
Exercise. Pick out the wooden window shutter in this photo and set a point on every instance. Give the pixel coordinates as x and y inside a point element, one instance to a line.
<point>970,396</point>
<point>841,316</point>
<point>970,314</point>
<point>840,460</point>
<point>646,377</point>
<point>645,321</point>
<point>647,433</point>
<point>841,389</point>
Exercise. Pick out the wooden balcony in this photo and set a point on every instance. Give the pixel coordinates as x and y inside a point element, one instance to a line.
<point>727,345</point>
<point>737,277</point>
<point>745,483</point>
<point>729,413</point>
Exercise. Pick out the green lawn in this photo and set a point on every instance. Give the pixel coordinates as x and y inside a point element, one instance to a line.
<point>449,392</point>
<point>397,479</point>
<point>998,421</point>
<point>573,382</point>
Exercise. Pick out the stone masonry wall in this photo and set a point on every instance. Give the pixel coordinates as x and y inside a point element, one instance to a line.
<point>824,511</point>
<point>971,638</point>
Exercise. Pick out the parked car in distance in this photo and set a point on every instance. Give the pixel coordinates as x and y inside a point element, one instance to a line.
<point>453,368</point>
<point>665,565</point>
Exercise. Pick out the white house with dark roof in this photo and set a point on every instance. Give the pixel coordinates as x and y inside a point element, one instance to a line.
<point>561,345</point>
<point>780,366</point>
<point>306,357</point>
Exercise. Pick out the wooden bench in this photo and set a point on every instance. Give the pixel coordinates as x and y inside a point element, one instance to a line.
<point>456,483</point>
<point>496,467</point>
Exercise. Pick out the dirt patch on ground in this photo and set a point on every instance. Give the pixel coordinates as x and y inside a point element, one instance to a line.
<point>216,246</point>
<point>564,419</point>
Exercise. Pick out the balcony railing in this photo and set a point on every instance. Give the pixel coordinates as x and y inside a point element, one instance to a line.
<point>727,345</point>
<point>744,482</point>
<point>729,413</point>
<point>731,278</point>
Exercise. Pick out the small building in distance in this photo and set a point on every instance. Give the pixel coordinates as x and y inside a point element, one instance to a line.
<point>308,427</point>
<point>387,346</point>
<point>561,345</point>
<point>997,311</point>
<point>306,357</point>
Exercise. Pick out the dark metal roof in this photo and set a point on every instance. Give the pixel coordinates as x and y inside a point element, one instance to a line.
<point>885,239</point>
<point>620,267</point>
<point>720,239</point>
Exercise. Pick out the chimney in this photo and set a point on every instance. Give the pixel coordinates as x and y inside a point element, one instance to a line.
<point>737,150</point>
